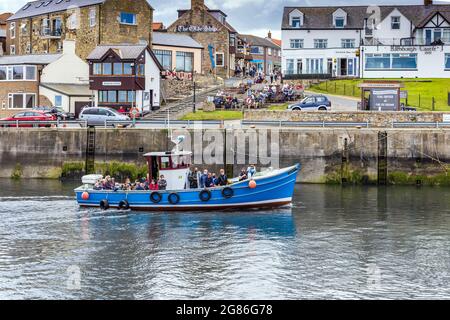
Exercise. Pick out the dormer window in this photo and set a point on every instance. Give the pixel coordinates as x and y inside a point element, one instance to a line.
<point>339,18</point>
<point>296,19</point>
<point>339,22</point>
<point>296,22</point>
<point>395,23</point>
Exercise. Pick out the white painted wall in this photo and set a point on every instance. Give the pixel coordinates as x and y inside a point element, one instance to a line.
<point>428,65</point>
<point>152,82</point>
<point>68,104</point>
<point>334,37</point>
<point>67,69</point>
<point>387,35</point>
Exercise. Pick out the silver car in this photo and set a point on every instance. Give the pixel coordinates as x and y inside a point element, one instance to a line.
<point>97,116</point>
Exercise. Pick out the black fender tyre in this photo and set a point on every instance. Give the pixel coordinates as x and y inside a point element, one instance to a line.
<point>205,195</point>
<point>227,193</point>
<point>104,204</point>
<point>155,197</point>
<point>174,198</point>
<point>124,205</point>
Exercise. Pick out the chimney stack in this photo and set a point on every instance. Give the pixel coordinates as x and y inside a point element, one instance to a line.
<point>428,2</point>
<point>269,35</point>
<point>197,4</point>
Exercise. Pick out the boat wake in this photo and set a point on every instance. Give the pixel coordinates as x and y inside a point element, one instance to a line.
<point>37,198</point>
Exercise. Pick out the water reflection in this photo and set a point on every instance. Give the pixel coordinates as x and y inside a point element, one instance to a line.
<point>333,242</point>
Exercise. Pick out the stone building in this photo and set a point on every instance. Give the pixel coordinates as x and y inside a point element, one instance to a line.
<point>40,27</point>
<point>3,18</point>
<point>210,29</point>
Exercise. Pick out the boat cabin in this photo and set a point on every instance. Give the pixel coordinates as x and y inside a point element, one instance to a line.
<point>174,166</point>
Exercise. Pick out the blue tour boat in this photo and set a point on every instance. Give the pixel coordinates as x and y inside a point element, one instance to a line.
<point>267,189</point>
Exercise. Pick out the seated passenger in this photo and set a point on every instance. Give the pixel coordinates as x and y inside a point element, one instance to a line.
<point>140,187</point>
<point>153,185</point>
<point>243,175</point>
<point>251,171</point>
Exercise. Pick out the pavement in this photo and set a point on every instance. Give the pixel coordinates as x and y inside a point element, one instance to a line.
<point>340,103</point>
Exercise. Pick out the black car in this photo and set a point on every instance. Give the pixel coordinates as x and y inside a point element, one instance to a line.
<point>57,111</point>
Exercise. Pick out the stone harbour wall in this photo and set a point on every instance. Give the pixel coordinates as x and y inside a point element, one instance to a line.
<point>326,155</point>
<point>375,118</point>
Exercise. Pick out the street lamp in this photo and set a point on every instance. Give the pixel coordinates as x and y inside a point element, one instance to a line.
<point>194,97</point>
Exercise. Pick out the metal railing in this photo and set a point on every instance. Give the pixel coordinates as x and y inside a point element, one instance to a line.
<point>190,124</point>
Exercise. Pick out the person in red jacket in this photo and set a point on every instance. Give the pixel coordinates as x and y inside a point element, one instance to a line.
<point>153,185</point>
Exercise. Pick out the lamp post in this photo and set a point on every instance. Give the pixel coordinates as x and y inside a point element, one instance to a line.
<point>194,97</point>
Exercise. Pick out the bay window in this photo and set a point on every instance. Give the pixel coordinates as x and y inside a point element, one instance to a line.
<point>404,61</point>
<point>393,61</point>
<point>378,61</point>
<point>17,73</point>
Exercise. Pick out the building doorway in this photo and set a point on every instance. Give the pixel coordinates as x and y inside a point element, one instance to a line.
<point>299,66</point>
<point>343,70</point>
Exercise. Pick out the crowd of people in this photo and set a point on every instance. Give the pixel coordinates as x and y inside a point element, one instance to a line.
<point>109,183</point>
<point>195,180</point>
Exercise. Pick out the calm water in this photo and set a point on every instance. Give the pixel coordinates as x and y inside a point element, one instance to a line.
<point>333,243</point>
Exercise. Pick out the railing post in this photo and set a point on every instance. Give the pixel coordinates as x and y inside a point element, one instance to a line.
<point>17,124</point>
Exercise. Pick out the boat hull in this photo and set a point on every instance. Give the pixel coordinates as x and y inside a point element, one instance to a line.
<point>273,190</point>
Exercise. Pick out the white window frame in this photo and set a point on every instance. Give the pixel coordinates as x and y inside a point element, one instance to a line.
<point>395,22</point>
<point>92,17</point>
<point>223,59</point>
<point>294,42</point>
<point>11,94</point>
<point>269,51</point>
<point>343,22</point>
<point>12,50</point>
<point>9,73</point>
<point>322,41</point>
<point>73,21</point>
<point>12,30</point>
<point>344,43</point>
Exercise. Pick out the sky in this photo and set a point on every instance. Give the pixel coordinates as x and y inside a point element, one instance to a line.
<point>255,17</point>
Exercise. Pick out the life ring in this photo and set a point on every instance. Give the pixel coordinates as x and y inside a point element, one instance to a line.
<point>174,198</point>
<point>227,193</point>
<point>249,101</point>
<point>134,113</point>
<point>104,204</point>
<point>124,205</point>
<point>155,197</point>
<point>205,195</point>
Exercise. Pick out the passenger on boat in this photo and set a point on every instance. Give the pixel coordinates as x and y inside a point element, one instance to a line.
<point>214,180</point>
<point>243,175</point>
<point>140,187</point>
<point>153,185</point>
<point>222,180</point>
<point>162,183</point>
<point>209,183</point>
<point>203,179</point>
<point>251,171</point>
<point>194,178</point>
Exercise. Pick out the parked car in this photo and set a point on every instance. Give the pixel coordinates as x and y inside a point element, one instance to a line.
<point>312,103</point>
<point>58,112</point>
<point>96,116</point>
<point>31,115</point>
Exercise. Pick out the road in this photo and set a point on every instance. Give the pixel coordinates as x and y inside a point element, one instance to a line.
<point>340,103</point>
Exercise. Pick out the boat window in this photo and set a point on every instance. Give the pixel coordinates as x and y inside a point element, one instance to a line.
<point>165,163</point>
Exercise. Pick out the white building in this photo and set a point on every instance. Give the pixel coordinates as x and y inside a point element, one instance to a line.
<point>65,82</point>
<point>369,42</point>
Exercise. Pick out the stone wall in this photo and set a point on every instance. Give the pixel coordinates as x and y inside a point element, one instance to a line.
<point>219,40</point>
<point>107,29</point>
<point>326,155</point>
<point>375,118</point>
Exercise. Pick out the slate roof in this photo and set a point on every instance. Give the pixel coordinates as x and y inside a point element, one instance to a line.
<point>258,41</point>
<point>125,51</point>
<point>36,8</point>
<point>321,17</point>
<point>175,40</point>
<point>33,59</point>
<point>72,90</point>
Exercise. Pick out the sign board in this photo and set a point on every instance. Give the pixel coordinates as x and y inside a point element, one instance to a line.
<point>384,100</point>
<point>446,117</point>
<point>111,83</point>
<point>193,28</point>
<point>403,94</point>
